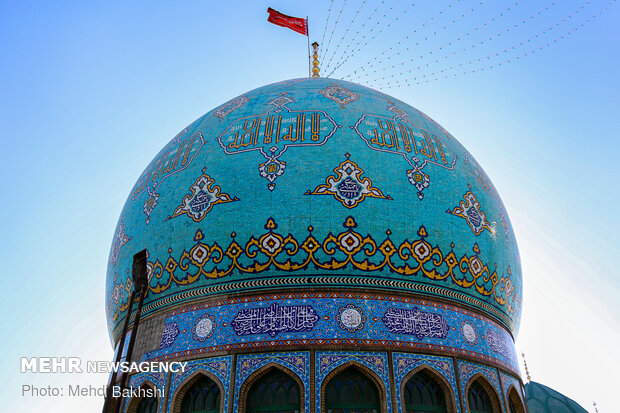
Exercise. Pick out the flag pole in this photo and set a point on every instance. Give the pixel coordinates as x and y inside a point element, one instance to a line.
<point>309,57</point>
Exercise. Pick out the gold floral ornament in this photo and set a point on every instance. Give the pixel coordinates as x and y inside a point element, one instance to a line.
<point>471,210</point>
<point>203,197</point>
<point>273,252</point>
<point>347,186</point>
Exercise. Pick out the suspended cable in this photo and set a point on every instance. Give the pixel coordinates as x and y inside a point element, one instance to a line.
<point>475,44</point>
<point>345,33</point>
<point>417,80</point>
<point>326,24</point>
<point>370,62</point>
<point>334,29</point>
<point>378,33</point>
<point>469,33</point>
<point>344,52</point>
<point>435,33</point>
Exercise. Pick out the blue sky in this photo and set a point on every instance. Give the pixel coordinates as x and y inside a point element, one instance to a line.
<point>92,90</point>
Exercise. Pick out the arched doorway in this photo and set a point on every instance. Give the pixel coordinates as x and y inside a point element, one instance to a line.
<point>481,398</point>
<point>350,391</point>
<point>204,396</point>
<point>274,392</point>
<point>422,394</point>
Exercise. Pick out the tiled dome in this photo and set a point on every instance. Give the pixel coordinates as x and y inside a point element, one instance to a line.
<point>542,399</point>
<point>316,183</point>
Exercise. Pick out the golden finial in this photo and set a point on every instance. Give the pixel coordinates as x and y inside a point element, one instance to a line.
<point>527,372</point>
<point>315,59</point>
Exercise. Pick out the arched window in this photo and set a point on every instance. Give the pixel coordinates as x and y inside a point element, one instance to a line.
<point>514,402</point>
<point>511,406</point>
<point>422,394</point>
<point>147,405</point>
<point>479,400</point>
<point>351,392</point>
<point>275,392</point>
<point>203,397</point>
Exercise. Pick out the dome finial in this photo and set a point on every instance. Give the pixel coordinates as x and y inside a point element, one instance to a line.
<point>527,372</point>
<point>315,59</point>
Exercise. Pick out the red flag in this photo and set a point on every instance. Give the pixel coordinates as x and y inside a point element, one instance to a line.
<point>294,23</point>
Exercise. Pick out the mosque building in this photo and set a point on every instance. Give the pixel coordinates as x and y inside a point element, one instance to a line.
<point>314,245</point>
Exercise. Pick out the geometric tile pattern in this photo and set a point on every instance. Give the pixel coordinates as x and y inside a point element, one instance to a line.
<point>320,315</point>
<point>297,362</point>
<point>326,361</point>
<point>507,381</point>
<point>405,362</point>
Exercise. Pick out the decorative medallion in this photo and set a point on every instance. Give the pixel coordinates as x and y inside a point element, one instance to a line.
<point>339,94</point>
<point>347,186</point>
<point>469,333</point>
<point>174,158</point>
<point>274,319</point>
<point>399,135</point>
<point>351,318</point>
<point>226,108</point>
<point>171,331</point>
<point>418,178</point>
<point>203,328</point>
<point>203,197</point>
<point>472,212</point>
<point>272,168</point>
<point>272,133</point>
<point>415,322</point>
<point>120,239</point>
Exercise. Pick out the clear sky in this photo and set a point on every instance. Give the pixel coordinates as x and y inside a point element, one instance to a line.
<point>91,91</point>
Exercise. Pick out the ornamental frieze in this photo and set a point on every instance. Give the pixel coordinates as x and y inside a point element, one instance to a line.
<point>333,253</point>
<point>328,319</point>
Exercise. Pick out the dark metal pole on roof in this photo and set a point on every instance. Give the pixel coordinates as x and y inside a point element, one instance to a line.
<point>119,354</point>
<point>140,281</point>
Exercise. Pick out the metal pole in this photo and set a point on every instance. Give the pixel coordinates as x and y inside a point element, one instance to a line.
<point>119,354</point>
<point>309,57</point>
<point>132,340</point>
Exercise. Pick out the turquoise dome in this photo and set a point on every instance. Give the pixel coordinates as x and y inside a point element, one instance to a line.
<point>316,183</point>
<point>542,399</point>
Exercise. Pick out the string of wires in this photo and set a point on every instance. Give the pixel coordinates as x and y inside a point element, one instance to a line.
<point>459,20</point>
